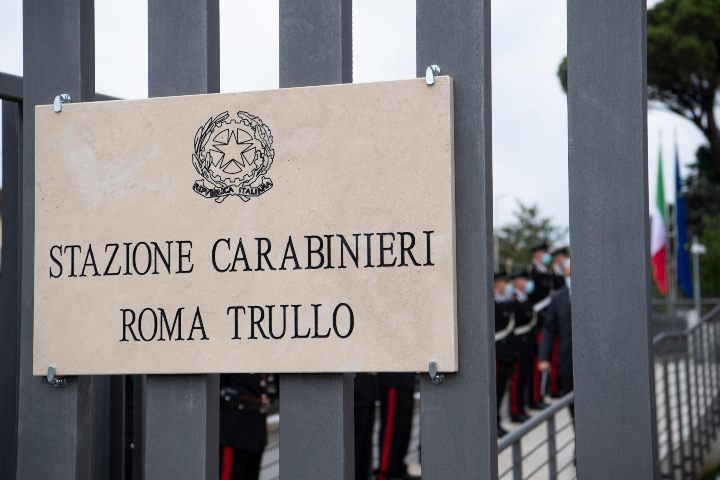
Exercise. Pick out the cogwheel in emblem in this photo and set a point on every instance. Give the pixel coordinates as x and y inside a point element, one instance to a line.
<point>232,155</point>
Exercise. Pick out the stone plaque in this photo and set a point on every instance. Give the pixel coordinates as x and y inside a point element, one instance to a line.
<point>294,230</point>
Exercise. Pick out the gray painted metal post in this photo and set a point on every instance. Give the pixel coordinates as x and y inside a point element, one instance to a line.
<point>181,436</point>
<point>552,447</point>
<point>517,461</point>
<point>54,425</point>
<point>458,417</point>
<point>668,416</point>
<point>10,283</point>
<point>689,400</point>
<point>10,87</point>
<point>316,411</point>
<point>613,366</point>
<point>679,408</point>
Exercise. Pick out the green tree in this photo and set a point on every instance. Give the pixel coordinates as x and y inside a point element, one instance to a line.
<point>527,230</point>
<point>709,275</point>
<point>702,192</point>
<point>683,55</point>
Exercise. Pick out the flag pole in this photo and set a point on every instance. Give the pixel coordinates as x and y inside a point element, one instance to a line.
<point>697,249</point>
<point>670,260</point>
<point>669,250</point>
<point>672,247</point>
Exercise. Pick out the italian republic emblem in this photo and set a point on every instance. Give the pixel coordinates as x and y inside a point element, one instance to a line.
<point>233,155</point>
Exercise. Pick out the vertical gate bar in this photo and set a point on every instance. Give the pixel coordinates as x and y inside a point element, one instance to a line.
<point>712,327</point>
<point>181,427</point>
<point>709,381</point>
<point>607,116</point>
<point>54,425</point>
<point>458,417</point>
<point>712,379</point>
<point>10,283</point>
<point>517,460</point>
<point>117,459</point>
<point>668,418</point>
<point>679,406</point>
<point>316,429</point>
<point>716,355</point>
<point>705,387</point>
<point>702,390</point>
<point>702,425</point>
<point>552,448</point>
<point>661,428</point>
<point>316,411</point>
<point>137,425</point>
<point>688,396</point>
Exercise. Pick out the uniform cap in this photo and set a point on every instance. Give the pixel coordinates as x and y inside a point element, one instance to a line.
<point>519,274</point>
<point>538,247</point>
<point>501,275</point>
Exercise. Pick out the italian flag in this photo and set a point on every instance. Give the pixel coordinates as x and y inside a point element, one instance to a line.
<point>657,241</point>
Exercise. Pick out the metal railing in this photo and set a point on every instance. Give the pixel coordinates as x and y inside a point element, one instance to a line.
<point>687,386</point>
<point>687,394</point>
<point>543,446</point>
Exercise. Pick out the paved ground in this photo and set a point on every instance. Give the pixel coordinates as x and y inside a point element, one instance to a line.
<point>534,449</point>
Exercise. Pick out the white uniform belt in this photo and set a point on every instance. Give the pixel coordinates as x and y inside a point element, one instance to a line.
<point>522,330</point>
<point>507,330</point>
<point>542,304</point>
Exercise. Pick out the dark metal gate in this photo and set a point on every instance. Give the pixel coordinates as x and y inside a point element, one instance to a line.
<point>61,433</point>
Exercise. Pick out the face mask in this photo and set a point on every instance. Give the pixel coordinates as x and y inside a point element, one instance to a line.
<point>529,287</point>
<point>546,259</point>
<point>567,282</point>
<point>566,263</point>
<point>508,292</point>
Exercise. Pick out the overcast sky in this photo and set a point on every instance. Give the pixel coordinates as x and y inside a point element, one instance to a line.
<point>529,107</point>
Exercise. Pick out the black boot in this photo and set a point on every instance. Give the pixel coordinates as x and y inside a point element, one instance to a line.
<point>520,417</point>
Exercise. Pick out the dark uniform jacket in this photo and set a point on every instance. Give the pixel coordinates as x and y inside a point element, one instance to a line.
<point>401,381</point>
<point>504,326</point>
<point>543,280</point>
<point>558,323</point>
<point>558,277</point>
<point>525,323</point>
<point>243,411</point>
<point>544,285</point>
<point>366,390</point>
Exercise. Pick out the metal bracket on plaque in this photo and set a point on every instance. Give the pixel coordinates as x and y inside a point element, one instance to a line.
<point>59,100</point>
<point>430,73</point>
<point>53,380</point>
<point>435,376</point>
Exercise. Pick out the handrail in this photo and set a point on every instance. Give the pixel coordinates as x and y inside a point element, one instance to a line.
<point>684,333</point>
<point>687,395</point>
<point>685,301</point>
<point>697,422</point>
<point>535,421</point>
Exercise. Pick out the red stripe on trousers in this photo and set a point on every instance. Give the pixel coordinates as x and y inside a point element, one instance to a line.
<point>387,437</point>
<point>226,467</point>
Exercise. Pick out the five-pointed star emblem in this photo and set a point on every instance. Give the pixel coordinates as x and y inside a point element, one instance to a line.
<point>235,151</point>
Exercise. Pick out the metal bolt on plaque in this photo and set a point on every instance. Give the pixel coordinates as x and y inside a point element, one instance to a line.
<point>435,376</point>
<point>59,100</point>
<point>57,382</point>
<point>430,73</point>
